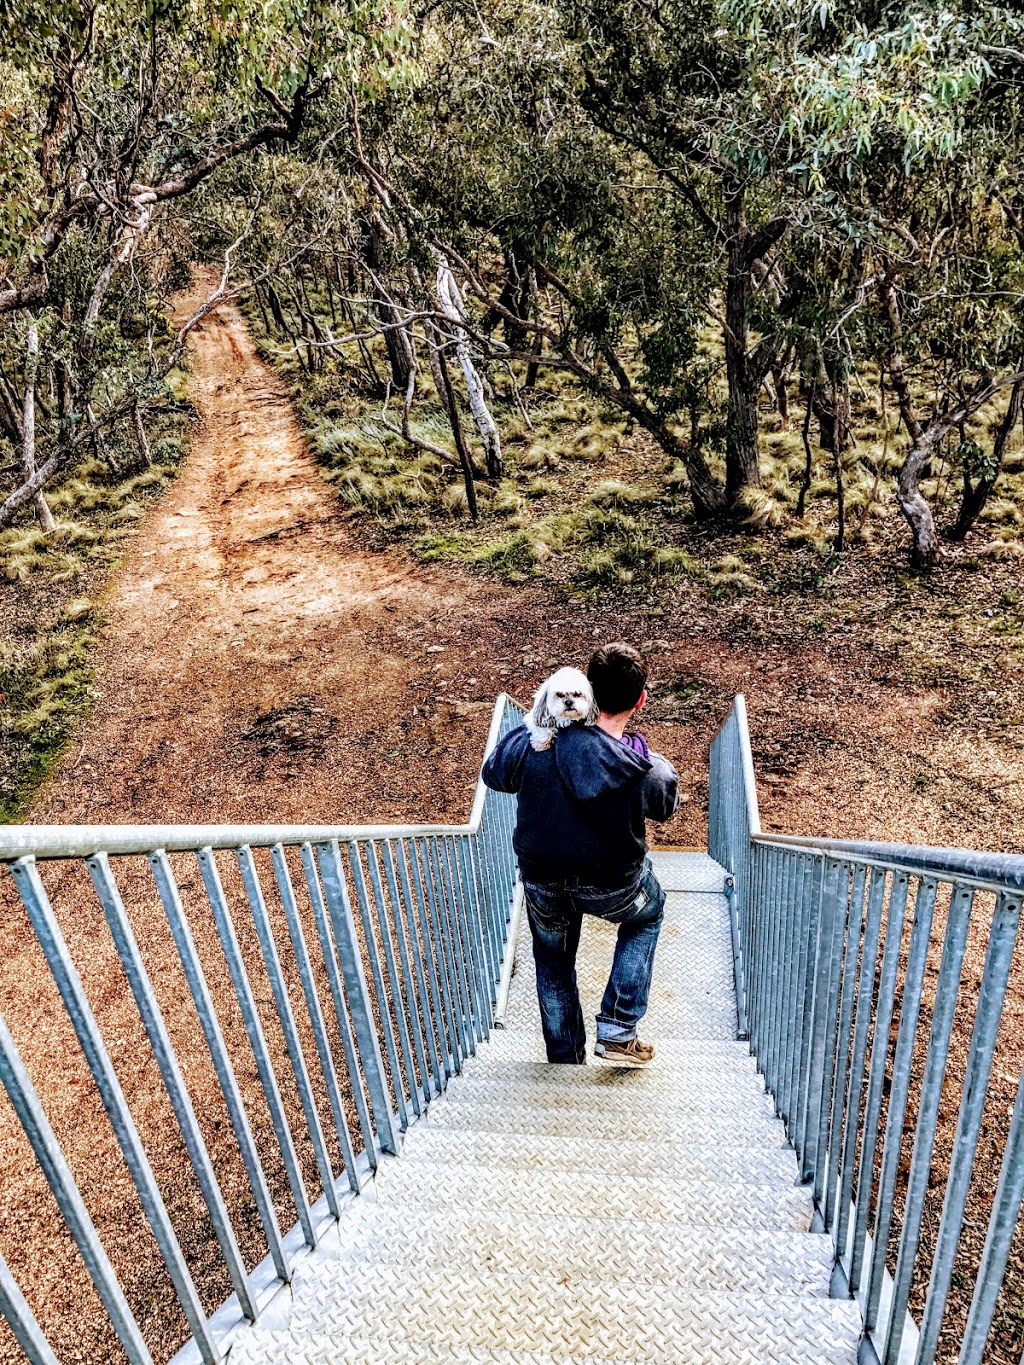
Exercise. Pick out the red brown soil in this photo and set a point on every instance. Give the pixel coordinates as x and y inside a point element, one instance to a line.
<point>260,664</point>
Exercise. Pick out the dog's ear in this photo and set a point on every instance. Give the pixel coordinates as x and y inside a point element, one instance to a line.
<point>541,712</point>
<point>592,711</point>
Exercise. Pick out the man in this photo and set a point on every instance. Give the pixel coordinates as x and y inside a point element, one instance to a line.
<point>581,843</point>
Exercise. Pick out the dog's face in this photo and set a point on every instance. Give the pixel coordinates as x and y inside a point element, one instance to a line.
<point>565,697</point>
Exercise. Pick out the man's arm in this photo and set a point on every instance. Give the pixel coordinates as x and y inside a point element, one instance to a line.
<point>503,770</point>
<point>661,789</point>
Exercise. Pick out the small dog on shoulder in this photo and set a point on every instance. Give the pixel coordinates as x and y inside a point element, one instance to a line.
<point>560,700</point>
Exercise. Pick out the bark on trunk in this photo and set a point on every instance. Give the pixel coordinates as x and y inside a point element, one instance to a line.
<point>454,309</point>
<point>141,439</point>
<point>460,440</point>
<point>977,494</point>
<point>28,425</point>
<point>913,504</point>
<point>396,342</point>
<point>742,457</point>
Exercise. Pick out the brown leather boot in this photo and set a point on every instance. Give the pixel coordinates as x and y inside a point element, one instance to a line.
<point>627,1053</point>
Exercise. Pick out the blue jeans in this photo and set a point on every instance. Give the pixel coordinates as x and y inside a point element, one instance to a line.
<point>556,913</point>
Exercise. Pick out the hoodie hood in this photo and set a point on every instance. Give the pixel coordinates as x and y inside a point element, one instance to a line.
<point>592,764</point>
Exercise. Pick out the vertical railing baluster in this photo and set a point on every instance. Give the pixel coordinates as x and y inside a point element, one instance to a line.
<point>257,1042</point>
<point>383,1006</point>
<point>996,1251</point>
<point>490,958</point>
<point>181,932</point>
<point>426,971</point>
<point>371,1145</point>
<point>415,1006</point>
<point>821,1034</point>
<point>998,961</point>
<point>862,1023</point>
<point>947,989</point>
<point>779,972</point>
<point>347,944</point>
<point>810,916</point>
<point>910,1005</point>
<point>854,922</point>
<point>794,993</point>
<point>460,948</point>
<point>163,1051</point>
<point>72,993</point>
<point>755,916</point>
<point>898,895</point>
<point>32,1117</point>
<point>448,950</point>
<point>436,947</point>
<point>316,1017</point>
<point>394,996</point>
<point>476,970</point>
<point>15,1311</point>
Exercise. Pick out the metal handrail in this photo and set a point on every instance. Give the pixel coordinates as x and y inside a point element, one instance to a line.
<point>83,841</point>
<point>834,938</point>
<point>408,926</point>
<point>990,870</point>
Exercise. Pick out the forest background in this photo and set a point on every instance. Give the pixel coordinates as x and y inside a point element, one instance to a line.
<point>698,323</point>
<point>713,306</point>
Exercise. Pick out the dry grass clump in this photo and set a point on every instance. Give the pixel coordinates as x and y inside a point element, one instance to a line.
<point>48,616</point>
<point>1002,549</point>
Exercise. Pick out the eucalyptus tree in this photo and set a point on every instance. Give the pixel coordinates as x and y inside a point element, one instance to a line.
<point>115,116</point>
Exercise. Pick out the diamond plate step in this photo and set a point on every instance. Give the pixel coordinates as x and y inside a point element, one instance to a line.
<point>694,1161</point>
<point>617,1124</point>
<point>688,872</point>
<point>590,1194</point>
<point>617,1090</point>
<point>664,1077</point>
<point>478,1240</point>
<point>527,1044</point>
<point>614,1320</point>
<point>732,1062</point>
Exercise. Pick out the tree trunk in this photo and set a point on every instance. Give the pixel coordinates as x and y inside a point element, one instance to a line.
<point>460,440</point>
<point>914,506</point>
<point>454,309</point>
<point>976,495</point>
<point>781,393</point>
<point>396,343</point>
<point>742,457</point>
<point>805,432</point>
<point>28,425</point>
<point>141,439</point>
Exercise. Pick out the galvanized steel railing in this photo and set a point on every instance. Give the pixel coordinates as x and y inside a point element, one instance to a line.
<point>851,973</point>
<point>381,958</point>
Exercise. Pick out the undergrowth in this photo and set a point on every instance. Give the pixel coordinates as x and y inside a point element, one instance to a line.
<point>51,589</point>
<point>590,502</point>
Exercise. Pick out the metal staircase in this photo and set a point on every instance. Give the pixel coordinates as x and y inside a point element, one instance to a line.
<point>361,1004</point>
<point>586,1213</point>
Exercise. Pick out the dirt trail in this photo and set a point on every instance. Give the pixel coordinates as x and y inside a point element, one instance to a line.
<point>240,673</point>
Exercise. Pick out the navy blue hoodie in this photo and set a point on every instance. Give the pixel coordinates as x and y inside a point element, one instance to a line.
<point>583,804</point>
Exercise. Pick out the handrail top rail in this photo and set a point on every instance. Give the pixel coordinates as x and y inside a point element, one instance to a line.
<point>1005,870</point>
<point>84,841</point>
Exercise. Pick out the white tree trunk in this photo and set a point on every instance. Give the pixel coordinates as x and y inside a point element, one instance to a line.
<point>141,439</point>
<point>28,424</point>
<point>453,307</point>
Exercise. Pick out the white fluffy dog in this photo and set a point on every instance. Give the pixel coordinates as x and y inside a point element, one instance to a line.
<point>561,699</point>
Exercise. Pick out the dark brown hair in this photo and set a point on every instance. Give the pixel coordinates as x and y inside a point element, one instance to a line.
<point>618,675</point>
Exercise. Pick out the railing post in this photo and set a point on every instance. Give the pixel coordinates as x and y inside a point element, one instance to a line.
<point>19,1317</point>
<point>72,993</point>
<point>350,958</point>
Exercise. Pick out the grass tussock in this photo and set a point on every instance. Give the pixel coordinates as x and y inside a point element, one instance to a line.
<point>49,585</point>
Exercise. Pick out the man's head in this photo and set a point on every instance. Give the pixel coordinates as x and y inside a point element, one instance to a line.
<point>618,675</point>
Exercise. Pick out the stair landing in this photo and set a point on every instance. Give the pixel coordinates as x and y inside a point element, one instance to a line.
<point>547,1215</point>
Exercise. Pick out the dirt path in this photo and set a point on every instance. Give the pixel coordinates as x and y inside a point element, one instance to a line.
<point>241,675</point>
